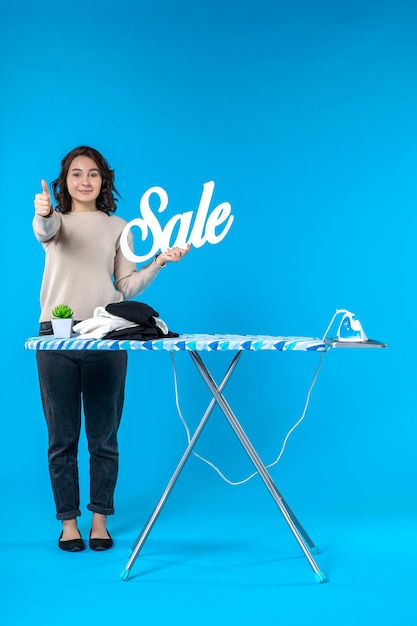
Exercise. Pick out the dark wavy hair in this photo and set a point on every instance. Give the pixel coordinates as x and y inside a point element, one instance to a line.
<point>105,201</point>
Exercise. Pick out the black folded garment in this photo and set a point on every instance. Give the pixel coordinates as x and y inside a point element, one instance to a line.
<point>143,316</point>
<point>139,333</point>
<point>137,312</point>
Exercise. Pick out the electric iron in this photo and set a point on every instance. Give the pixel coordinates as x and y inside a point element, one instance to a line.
<point>350,328</point>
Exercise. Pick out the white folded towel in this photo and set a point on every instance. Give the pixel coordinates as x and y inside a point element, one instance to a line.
<point>100,324</point>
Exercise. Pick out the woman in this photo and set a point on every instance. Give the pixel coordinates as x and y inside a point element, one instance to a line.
<point>84,268</point>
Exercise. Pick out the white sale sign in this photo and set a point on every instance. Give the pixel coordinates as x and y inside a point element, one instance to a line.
<point>209,226</point>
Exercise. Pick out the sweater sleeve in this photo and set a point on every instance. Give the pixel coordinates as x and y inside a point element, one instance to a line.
<point>45,228</point>
<point>128,279</point>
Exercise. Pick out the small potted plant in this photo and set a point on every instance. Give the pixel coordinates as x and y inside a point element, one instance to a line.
<point>62,321</point>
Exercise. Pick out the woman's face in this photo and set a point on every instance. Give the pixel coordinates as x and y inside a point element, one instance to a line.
<point>83,183</point>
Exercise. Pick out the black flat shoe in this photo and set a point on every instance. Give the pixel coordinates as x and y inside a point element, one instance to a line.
<point>71,545</point>
<point>98,545</point>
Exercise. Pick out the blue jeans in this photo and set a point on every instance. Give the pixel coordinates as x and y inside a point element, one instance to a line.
<point>94,379</point>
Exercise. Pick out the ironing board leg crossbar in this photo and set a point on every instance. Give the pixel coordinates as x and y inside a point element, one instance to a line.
<point>305,542</point>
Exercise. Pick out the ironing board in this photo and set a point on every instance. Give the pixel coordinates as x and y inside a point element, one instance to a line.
<point>194,344</point>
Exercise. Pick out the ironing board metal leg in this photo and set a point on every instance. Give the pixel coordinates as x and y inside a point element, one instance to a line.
<point>297,523</point>
<point>240,433</point>
<point>141,538</point>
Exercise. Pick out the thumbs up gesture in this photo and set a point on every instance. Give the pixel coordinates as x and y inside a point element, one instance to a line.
<point>42,202</point>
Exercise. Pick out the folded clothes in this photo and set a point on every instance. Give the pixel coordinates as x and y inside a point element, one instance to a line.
<point>148,324</point>
<point>101,323</point>
<point>124,320</point>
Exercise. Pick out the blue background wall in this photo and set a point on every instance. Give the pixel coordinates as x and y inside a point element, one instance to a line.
<point>304,115</point>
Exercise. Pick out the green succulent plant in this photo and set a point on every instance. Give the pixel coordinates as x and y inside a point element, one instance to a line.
<point>62,311</point>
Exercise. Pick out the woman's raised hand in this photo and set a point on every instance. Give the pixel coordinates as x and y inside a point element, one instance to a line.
<point>42,202</point>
